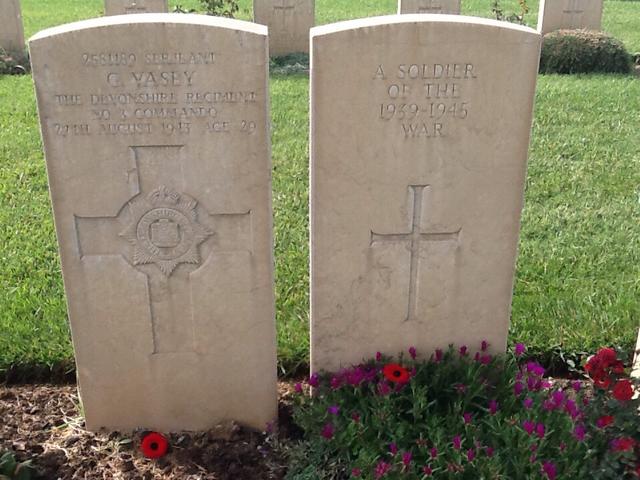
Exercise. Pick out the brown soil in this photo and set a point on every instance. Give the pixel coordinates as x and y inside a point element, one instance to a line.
<point>42,423</point>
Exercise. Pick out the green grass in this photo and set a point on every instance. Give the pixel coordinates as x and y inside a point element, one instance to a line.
<point>578,280</point>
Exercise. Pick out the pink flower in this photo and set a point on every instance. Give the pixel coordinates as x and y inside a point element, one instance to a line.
<point>384,389</point>
<point>427,470</point>
<point>378,356</point>
<point>298,387</point>
<point>520,349</point>
<point>433,452</point>
<point>471,454</point>
<point>336,382</point>
<point>463,351</point>
<point>406,458</point>
<point>382,468</point>
<point>604,421</point>
<point>314,380</point>
<point>328,431</point>
<point>356,472</point>
<point>439,355</point>
<point>576,385</point>
<point>550,470</point>
<point>393,448</point>
<point>528,403</point>
<point>467,417</point>
<point>412,352</point>
<point>484,345</point>
<point>489,452</point>
<point>579,432</point>
<point>518,388</point>
<point>540,430</point>
<point>493,407</point>
<point>457,442</point>
<point>355,417</point>
<point>528,426</point>
<point>485,359</point>
<point>460,387</point>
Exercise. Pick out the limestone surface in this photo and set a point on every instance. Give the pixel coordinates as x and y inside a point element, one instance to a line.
<point>156,136</point>
<point>124,7</point>
<point>569,14</point>
<point>289,22</point>
<point>11,30</point>
<point>451,7</point>
<point>420,129</point>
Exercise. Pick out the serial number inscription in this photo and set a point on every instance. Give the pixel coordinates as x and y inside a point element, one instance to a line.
<point>424,100</point>
<point>146,93</point>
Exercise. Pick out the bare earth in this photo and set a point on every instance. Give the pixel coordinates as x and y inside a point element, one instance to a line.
<point>42,422</point>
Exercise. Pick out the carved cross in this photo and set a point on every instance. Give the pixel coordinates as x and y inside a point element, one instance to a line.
<point>575,13</point>
<point>282,10</point>
<point>427,6</point>
<point>413,239</point>
<point>164,228</point>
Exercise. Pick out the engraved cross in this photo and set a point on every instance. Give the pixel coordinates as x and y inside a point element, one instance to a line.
<point>282,11</point>
<point>413,239</point>
<point>575,13</point>
<point>160,231</point>
<point>427,6</point>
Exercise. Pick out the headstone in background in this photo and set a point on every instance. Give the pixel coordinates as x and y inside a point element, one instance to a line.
<point>451,7</point>
<point>289,22</point>
<point>156,135</point>
<point>569,14</point>
<point>418,166</point>
<point>11,30</point>
<point>124,7</point>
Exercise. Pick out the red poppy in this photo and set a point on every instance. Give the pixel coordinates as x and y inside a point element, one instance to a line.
<point>154,445</point>
<point>623,444</point>
<point>623,390</point>
<point>396,373</point>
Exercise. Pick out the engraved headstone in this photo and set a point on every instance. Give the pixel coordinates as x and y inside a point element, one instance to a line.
<point>418,165</point>
<point>11,30</point>
<point>569,14</point>
<point>451,7</point>
<point>289,22</point>
<point>156,139</point>
<point>124,7</point>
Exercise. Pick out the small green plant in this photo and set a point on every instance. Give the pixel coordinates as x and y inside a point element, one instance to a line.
<point>583,51</point>
<point>180,9</point>
<point>465,415</point>
<point>11,469</point>
<point>220,8</point>
<point>515,17</point>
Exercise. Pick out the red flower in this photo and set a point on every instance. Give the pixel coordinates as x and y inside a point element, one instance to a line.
<point>623,390</point>
<point>602,365</point>
<point>623,444</point>
<point>604,421</point>
<point>154,445</point>
<point>396,373</point>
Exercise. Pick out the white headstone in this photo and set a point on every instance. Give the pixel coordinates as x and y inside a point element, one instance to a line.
<point>451,7</point>
<point>569,14</point>
<point>11,30</point>
<point>156,136</point>
<point>124,7</point>
<point>418,162</point>
<point>289,22</point>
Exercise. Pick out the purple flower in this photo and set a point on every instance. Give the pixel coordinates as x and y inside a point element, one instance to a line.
<point>457,442</point>
<point>579,432</point>
<point>393,448</point>
<point>549,469</point>
<point>327,431</point>
<point>535,368</point>
<point>412,352</point>
<point>467,417</point>
<point>314,380</point>
<point>471,454</point>
<point>558,397</point>
<point>528,426</point>
<point>528,403</point>
<point>489,451</point>
<point>382,468</point>
<point>298,387</point>
<point>433,452</point>
<point>439,355</point>
<point>406,458</point>
<point>463,351</point>
<point>336,382</point>
<point>549,405</point>
<point>518,388</point>
<point>460,387</point>
<point>356,472</point>
<point>484,345</point>
<point>520,349</point>
<point>333,409</point>
<point>384,389</point>
<point>493,407</point>
<point>427,470</point>
<point>540,430</point>
<point>485,359</point>
<point>576,385</point>
<point>378,356</point>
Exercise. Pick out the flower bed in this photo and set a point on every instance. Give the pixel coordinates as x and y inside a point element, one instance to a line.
<point>468,415</point>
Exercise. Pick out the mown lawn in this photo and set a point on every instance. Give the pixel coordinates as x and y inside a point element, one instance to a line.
<point>578,282</point>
